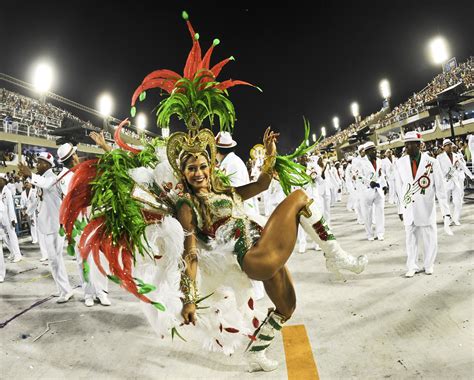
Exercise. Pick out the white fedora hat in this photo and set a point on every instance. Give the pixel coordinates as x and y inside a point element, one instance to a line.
<point>412,136</point>
<point>65,151</point>
<point>369,145</point>
<point>46,156</point>
<point>447,142</point>
<point>224,140</point>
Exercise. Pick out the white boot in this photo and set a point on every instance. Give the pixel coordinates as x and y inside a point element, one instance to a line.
<point>312,221</point>
<point>264,335</point>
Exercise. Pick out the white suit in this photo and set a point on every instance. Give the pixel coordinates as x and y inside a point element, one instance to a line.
<point>388,168</point>
<point>9,216</point>
<point>29,203</point>
<point>235,168</point>
<point>454,174</point>
<point>324,190</point>
<point>358,188</point>
<point>51,244</point>
<point>97,283</point>
<point>417,204</point>
<point>372,199</point>
<point>3,270</point>
<point>350,185</point>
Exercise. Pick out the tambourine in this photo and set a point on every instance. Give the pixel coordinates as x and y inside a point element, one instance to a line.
<point>424,181</point>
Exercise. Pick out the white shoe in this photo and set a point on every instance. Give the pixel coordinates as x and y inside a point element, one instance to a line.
<point>63,298</point>
<point>2,279</point>
<point>104,300</point>
<point>17,259</point>
<point>318,248</point>
<point>371,238</point>
<point>429,271</point>
<point>43,259</point>
<point>89,301</point>
<point>380,237</point>
<point>410,273</point>
<point>456,222</point>
<point>257,361</point>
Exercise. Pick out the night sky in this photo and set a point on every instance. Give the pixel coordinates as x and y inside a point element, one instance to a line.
<point>310,63</point>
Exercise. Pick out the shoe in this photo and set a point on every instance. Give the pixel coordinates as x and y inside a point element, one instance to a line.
<point>63,298</point>
<point>34,242</point>
<point>17,259</point>
<point>371,238</point>
<point>318,248</point>
<point>104,300</point>
<point>10,257</point>
<point>312,221</point>
<point>89,301</point>
<point>257,361</point>
<point>2,279</point>
<point>43,259</point>
<point>456,222</point>
<point>429,271</point>
<point>410,273</point>
<point>380,237</point>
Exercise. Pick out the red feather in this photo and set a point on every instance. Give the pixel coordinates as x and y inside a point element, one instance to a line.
<point>120,142</point>
<point>231,330</point>
<point>194,56</point>
<point>163,83</point>
<point>206,61</point>
<point>216,69</point>
<point>231,83</point>
<point>255,322</point>
<point>162,74</point>
<point>250,303</point>
<point>79,195</point>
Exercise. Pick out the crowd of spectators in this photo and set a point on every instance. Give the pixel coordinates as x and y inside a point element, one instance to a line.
<point>414,105</point>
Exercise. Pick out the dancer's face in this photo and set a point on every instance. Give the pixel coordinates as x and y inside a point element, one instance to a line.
<point>197,173</point>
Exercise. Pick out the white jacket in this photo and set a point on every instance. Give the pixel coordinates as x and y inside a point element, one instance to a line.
<point>49,202</point>
<point>451,171</point>
<point>367,174</point>
<point>9,215</point>
<point>64,178</point>
<point>415,202</point>
<point>389,167</point>
<point>29,202</point>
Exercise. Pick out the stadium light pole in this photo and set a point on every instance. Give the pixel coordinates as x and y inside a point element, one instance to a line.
<point>43,79</point>
<point>105,104</point>
<point>384,87</point>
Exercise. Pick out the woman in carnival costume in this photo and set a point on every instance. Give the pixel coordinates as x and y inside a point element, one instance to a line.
<point>175,233</point>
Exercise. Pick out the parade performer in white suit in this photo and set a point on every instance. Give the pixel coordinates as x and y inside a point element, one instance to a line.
<point>29,204</point>
<point>373,193</point>
<point>9,220</point>
<point>388,169</point>
<point>3,270</point>
<point>94,284</point>
<point>454,171</point>
<point>359,187</point>
<point>418,180</point>
<point>49,201</point>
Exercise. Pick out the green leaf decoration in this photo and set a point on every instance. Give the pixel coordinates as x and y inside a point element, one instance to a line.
<point>159,306</point>
<point>86,271</point>
<point>70,250</point>
<point>216,42</point>
<point>142,96</point>
<point>75,232</point>
<point>146,288</point>
<point>203,298</point>
<point>62,232</point>
<point>185,15</point>
<point>196,36</point>
<point>174,331</point>
<point>133,111</point>
<point>114,279</point>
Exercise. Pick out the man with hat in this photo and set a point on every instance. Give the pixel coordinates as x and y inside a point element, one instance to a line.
<point>418,179</point>
<point>388,168</point>
<point>49,202</point>
<point>452,166</point>
<point>97,285</point>
<point>233,166</point>
<point>374,187</point>
<point>356,162</point>
<point>9,220</point>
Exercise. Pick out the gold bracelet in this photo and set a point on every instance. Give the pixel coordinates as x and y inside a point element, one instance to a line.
<point>268,166</point>
<point>189,289</point>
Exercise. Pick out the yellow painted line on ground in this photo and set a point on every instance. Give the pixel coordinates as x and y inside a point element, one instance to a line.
<point>300,361</point>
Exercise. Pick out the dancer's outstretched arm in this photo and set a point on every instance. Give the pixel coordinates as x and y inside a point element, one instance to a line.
<point>263,182</point>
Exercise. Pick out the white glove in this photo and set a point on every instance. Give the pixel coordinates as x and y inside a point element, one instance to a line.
<point>447,229</point>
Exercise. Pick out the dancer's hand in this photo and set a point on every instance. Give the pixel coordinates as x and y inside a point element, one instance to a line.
<point>269,141</point>
<point>24,170</point>
<point>189,313</point>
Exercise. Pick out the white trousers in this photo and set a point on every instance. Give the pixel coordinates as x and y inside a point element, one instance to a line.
<point>97,283</point>
<point>3,269</point>
<point>373,205</point>
<point>427,236</point>
<point>391,191</point>
<point>53,244</point>
<point>324,204</point>
<point>33,229</point>
<point>11,241</point>
<point>455,205</point>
